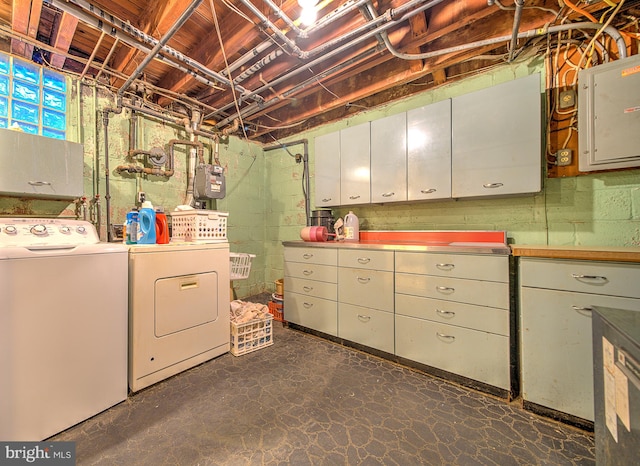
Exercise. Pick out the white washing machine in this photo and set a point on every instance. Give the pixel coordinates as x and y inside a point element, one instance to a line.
<point>63,326</point>
<point>178,308</point>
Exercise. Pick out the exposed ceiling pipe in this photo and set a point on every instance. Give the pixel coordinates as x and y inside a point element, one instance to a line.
<point>516,27</point>
<point>389,17</point>
<point>97,18</point>
<point>612,32</point>
<point>281,35</point>
<point>281,14</point>
<point>186,14</point>
<point>93,55</point>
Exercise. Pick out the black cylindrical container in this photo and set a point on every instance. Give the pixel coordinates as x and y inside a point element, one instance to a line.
<point>322,218</point>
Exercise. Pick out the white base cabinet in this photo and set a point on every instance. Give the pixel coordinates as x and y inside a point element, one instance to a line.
<point>556,302</point>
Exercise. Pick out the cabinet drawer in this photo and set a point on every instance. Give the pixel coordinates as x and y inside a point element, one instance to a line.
<point>312,288</point>
<point>322,256</point>
<point>311,312</point>
<point>607,278</point>
<point>487,319</point>
<point>470,353</point>
<point>368,327</point>
<point>484,267</point>
<point>556,347</point>
<point>323,273</point>
<point>368,288</point>
<point>493,294</point>
<point>366,259</point>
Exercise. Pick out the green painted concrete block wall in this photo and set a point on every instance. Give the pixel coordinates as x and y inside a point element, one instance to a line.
<point>265,197</point>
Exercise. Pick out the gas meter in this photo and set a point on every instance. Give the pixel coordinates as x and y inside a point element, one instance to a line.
<point>209,182</point>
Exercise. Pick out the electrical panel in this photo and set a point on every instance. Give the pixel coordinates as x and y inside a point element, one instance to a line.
<point>209,182</point>
<point>609,115</point>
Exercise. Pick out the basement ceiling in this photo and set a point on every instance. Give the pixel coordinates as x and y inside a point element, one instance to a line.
<point>254,61</point>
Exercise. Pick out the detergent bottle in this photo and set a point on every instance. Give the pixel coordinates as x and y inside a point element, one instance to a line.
<point>147,224</point>
<point>351,227</point>
<point>162,229</point>
<point>130,232</point>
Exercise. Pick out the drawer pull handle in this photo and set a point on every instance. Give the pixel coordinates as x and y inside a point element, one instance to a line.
<point>388,194</point>
<point>448,314</point>
<point>446,289</point>
<point>449,338</point>
<point>363,317</point>
<point>364,260</point>
<point>428,191</point>
<point>578,276</point>
<point>307,256</point>
<point>326,199</point>
<point>308,305</point>
<point>582,309</point>
<point>39,183</point>
<point>354,197</point>
<point>307,272</point>
<point>492,185</point>
<point>364,280</point>
<point>307,288</point>
<point>444,266</point>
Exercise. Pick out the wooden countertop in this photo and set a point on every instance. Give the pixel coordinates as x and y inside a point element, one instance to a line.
<point>595,253</point>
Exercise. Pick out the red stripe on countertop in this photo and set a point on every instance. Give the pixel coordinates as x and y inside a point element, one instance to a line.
<point>431,237</point>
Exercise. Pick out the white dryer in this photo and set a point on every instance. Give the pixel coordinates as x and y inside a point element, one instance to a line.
<point>178,308</point>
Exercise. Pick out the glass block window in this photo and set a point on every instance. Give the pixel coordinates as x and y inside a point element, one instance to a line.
<point>32,97</point>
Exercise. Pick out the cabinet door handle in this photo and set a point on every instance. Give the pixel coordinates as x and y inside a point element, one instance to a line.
<point>308,305</point>
<point>307,288</point>
<point>444,266</point>
<point>364,318</point>
<point>388,194</point>
<point>307,256</point>
<point>39,183</point>
<point>445,288</point>
<point>364,260</point>
<point>428,191</point>
<point>583,309</point>
<point>449,338</point>
<point>447,314</point>
<point>364,280</point>
<point>307,272</point>
<point>492,185</point>
<point>578,276</point>
<point>354,197</point>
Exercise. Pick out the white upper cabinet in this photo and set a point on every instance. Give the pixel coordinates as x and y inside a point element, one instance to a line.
<point>497,140</point>
<point>429,152</point>
<point>327,169</point>
<point>389,159</point>
<point>355,169</point>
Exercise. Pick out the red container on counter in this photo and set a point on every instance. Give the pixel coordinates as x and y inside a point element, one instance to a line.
<point>162,227</point>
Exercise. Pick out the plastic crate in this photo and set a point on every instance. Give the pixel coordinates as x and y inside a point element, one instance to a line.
<point>277,311</point>
<point>240,265</point>
<point>203,226</point>
<point>251,336</point>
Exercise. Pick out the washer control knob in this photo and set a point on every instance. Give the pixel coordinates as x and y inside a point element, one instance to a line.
<point>65,230</point>
<point>39,230</point>
<point>82,230</point>
<point>10,230</point>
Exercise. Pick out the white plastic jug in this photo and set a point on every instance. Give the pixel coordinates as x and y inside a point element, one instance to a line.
<point>351,227</point>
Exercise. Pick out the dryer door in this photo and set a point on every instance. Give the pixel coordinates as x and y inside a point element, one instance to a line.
<point>184,302</point>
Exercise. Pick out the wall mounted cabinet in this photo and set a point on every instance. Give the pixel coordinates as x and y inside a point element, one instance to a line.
<point>486,143</point>
<point>40,167</point>
<point>496,136</point>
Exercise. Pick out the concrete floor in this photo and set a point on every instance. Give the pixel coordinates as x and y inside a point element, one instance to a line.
<point>308,401</point>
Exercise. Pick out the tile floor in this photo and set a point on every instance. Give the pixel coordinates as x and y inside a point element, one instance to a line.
<point>308,401</point>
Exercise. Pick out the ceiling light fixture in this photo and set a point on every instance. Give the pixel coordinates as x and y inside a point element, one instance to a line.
<point>309,13</point>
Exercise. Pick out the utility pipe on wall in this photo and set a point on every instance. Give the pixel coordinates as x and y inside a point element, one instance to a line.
<point>516,27</point>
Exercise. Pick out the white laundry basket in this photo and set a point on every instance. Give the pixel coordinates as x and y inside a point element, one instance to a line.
<point>240,267</point>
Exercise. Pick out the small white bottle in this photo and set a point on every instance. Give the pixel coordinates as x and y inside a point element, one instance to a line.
<point>351,228</point>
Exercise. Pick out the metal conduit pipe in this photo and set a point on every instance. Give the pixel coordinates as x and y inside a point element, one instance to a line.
<point>334,15</point>
<point>107,190</point>
<point>281,14</point>
<point>516,28</point>
<point>281,35</point>
<point>186,14</point>
<point>305,171</point>
<point>390,22</point>
<point>96,17</point>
